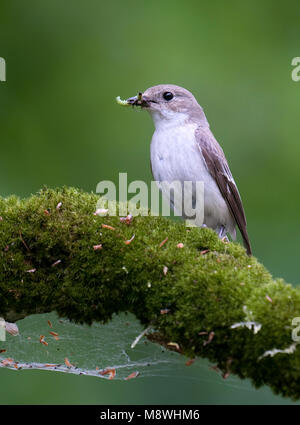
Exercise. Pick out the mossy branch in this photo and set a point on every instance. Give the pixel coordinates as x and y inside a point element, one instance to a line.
<point>192,296</point>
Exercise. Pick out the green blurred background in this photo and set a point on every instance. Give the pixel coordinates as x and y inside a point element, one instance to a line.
<point>60,125</point>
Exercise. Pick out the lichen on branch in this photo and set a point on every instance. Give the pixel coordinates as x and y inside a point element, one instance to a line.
<point>203,297</point>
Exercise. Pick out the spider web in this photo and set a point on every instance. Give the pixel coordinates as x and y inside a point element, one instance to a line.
<point>102,351</point>
<point>47,342</point>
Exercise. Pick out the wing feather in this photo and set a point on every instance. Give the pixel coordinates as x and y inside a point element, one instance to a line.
<point>219,169</point>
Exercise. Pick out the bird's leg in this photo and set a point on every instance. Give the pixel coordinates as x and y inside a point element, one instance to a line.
<point>222,234</point>
<point>221,231</point>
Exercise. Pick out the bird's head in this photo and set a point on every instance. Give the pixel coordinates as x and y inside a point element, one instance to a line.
<point>168,103</point>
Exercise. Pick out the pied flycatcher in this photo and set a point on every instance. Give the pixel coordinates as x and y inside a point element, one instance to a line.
<point>183,148</point>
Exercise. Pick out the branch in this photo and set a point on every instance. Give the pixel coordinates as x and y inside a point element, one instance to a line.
<point>206,299</point>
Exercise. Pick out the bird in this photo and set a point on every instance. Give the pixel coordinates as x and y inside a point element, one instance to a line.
<point>183,148</point>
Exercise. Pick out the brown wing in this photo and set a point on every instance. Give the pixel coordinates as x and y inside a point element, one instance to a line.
<point>218,168</point>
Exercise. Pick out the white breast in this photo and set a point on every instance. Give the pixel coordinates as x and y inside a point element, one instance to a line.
<point>175,155</point>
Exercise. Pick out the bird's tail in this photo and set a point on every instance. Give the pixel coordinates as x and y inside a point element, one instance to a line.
<point>246,240</point>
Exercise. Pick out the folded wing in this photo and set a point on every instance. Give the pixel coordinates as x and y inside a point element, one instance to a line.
<point>217,166</point>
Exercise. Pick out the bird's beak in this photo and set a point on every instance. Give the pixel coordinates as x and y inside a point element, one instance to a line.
<point>139,100</point>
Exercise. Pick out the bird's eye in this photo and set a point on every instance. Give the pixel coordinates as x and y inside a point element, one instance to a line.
<point>168,95</point>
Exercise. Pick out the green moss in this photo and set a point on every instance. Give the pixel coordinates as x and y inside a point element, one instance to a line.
<point>199,293</point>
